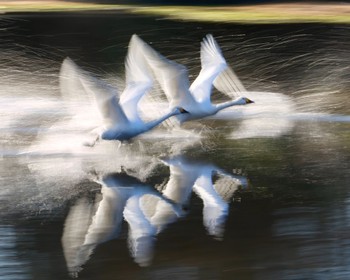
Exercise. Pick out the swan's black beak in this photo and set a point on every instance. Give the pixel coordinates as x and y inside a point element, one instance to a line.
<point>249,101</point>
<point>183,111</point>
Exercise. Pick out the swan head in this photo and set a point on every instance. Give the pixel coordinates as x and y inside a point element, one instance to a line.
<point>247,100</point>
<point>243,101</point>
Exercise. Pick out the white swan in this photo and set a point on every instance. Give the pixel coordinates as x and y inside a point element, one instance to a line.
<point>119,116</point>
<point>173,78</point>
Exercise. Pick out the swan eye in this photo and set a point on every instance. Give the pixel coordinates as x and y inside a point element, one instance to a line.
<point>182,110</point>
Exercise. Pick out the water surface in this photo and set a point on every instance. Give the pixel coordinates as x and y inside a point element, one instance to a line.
<point>281,210</point>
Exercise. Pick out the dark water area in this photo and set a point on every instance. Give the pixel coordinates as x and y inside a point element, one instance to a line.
<point>260,192</point>
<point>288,58</point>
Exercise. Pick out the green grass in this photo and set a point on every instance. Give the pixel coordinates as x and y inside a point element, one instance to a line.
<point>249,14</point>
<point>258,14</point>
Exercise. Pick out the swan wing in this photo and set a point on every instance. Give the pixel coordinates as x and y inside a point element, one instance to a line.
<point>182,178</point>
<point>75,229</point>
<point>103,100</point>
<point>70,85</point>
<point>213,63</point>
<point>107,220</point>
<point>172,77</point>
<point>228,83</point>
<point>227,184</point>
<point>138,80</point>
<point>160,212</point>
<point>106,100</point>
<point>80,104</point>
<point>215,209</point>
<point>141,231</point>
<point>205,189</point>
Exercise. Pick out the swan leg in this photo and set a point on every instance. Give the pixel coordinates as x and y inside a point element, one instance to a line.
<point>94,136</point>
<point>120,143</point>
<point>92,141</point>
<point>141,146</point>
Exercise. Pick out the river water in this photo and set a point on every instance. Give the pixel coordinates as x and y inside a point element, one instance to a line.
<point>257,192</point>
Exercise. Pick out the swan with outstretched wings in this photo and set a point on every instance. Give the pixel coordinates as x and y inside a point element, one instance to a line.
<point>174,81</point>
<point>118,116</point>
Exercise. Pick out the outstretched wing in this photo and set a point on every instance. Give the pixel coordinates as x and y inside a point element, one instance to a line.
<point>228,83</point>
<point>138,80</point>
<point>172,77</point>
<point>98,92</point>
<point>106,100</point>
<point>72,89</point>
<point>213,63</point>
<point>80,104</point>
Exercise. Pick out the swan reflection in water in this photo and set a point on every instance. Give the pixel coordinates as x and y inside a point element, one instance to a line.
<point>186,177</point>
<point>90,224</point>
<point>146,210</point>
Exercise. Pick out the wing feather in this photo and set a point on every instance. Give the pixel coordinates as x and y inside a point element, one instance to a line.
<point>106,100</point>
<point>138,80</point>
<point>172,77</point>
<point>228,83</point>
<point>213,63</point>
<point>99,93</point>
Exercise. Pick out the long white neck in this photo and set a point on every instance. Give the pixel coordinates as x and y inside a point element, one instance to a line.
<point>158,121</point>
<point>235,102</point>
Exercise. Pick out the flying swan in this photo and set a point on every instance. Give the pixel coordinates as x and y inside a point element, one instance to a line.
<point>174,81</point>
<point>120,119</point>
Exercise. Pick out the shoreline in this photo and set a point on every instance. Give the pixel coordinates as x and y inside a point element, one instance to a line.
<point>255,14</point>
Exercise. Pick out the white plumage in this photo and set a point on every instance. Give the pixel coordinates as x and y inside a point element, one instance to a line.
<point>119,117</point>
<point>173,78</point>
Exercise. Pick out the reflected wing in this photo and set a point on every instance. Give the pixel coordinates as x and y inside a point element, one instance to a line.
<point>162,212</point>
<point>228,83</point>
<point>215,209</point>
<point>138,80</point>
<point>108,217</point>
<point>141,232</point>
<point>172,77</point>
<point>227,184</point>
<point>75,228</point>
<point>181,181</point>
<point>212,64</point>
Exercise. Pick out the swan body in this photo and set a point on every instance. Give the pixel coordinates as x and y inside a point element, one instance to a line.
<point>119,117</point>
<point>132,129</point>
<point>173,78</point>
